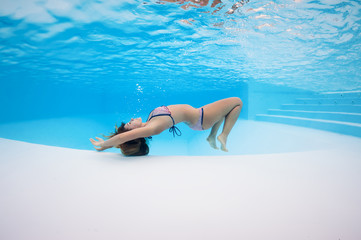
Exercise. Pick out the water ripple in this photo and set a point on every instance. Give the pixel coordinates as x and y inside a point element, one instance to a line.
<point>308,44</point>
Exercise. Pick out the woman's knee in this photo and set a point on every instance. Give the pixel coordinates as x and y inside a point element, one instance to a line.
<point>240,103</point>
<point>237,102</point>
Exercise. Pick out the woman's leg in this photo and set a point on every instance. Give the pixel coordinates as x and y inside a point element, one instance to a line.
<point>212,135</point>
<point>229,122</point>
<point>214,113</point>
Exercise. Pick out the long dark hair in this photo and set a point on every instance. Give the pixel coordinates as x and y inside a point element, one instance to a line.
<point>136,147</point>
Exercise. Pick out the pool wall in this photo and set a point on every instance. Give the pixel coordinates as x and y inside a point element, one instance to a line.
<point>30,99</point>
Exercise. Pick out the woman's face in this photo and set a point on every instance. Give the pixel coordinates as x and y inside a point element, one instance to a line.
<point>133,123</point>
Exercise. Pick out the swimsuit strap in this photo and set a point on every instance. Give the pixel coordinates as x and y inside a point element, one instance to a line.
<point>175,131</point>
<point>163,114</point>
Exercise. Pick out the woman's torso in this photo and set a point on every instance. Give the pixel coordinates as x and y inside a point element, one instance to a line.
<point>182,113</point>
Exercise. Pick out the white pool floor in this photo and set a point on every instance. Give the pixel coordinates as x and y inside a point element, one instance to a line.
<point>60,193</point>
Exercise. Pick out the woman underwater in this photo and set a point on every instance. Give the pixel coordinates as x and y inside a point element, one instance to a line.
<point>130,137</point>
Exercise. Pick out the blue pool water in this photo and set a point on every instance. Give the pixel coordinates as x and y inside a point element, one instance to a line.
<point>73,69</point>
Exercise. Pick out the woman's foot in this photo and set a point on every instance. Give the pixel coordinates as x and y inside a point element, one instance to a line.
<point>223,140</point>
<point>212,141</point>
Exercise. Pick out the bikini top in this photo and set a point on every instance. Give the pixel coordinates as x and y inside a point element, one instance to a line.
<point>164,111</point>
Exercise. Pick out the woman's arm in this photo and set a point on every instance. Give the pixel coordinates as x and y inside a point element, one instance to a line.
<point>101,145</point>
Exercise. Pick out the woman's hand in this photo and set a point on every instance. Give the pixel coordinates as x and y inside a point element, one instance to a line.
<point>98,145</point>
